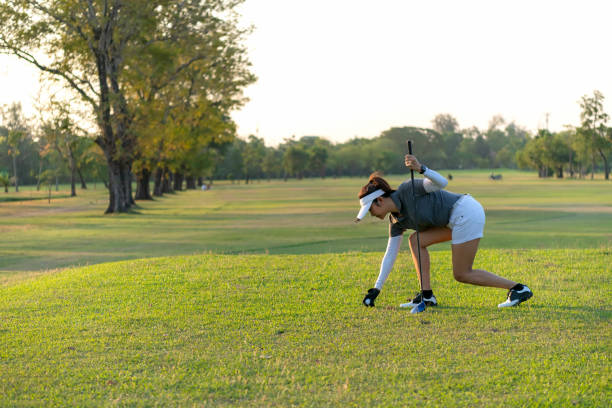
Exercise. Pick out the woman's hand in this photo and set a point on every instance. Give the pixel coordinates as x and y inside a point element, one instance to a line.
<point>368,300</point>
<point>412,163</point>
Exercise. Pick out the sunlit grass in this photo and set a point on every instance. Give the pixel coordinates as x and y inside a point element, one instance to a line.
<point>290,330</point>
<point>308,216</point>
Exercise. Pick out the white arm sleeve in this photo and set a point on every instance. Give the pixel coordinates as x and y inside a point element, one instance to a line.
<point>433,181</point>
<point>388,260</point>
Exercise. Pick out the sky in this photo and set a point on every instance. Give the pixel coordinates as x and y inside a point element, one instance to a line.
<point>353,68</point>
<point>341,69</point>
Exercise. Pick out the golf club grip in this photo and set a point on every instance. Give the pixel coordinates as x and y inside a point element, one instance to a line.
<point>410,152</point>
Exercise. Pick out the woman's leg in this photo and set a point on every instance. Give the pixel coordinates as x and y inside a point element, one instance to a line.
<point>427,238</point>
<point>463,260</point>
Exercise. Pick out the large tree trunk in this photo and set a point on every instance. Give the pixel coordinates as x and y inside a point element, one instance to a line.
<point>142,185</point>
<point>126,181</point>
<point>113,117</point>
<point>119,186</point>
<point>158,182</point>
<point>167,181</point>
<point>178,181</point>
<point>191,182</point>
<point>117,200</point>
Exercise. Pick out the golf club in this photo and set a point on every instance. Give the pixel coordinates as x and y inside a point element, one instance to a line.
<point>421,306</point>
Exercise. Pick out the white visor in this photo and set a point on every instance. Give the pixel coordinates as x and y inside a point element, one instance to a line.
<point>366,202</point>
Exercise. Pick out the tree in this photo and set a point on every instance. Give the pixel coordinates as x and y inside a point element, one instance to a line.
<point>63,134</point>
<point>318,159</point>
<point>482,152</point>
<point>445,123</point>
<point>497,121</point>
<point>272,164</point>
<point>16,125</point>
<point>593,122</point>
<point>351,158</point>
<point>531,156</point>
<point>547,152</point>
<point>466,151</point>
<point>184,101</point>
<point>316,149</point>
<point>557,153</point>
<point>515,139</point>
<point>99,48</point>
<point>94,163</point>
<point>580,144</point>
<point>232,164</point>
<point>295,160</point>
<point>395,141</point>
<point>88,45</point>
<point>253,155</point>
<point>5,180</point>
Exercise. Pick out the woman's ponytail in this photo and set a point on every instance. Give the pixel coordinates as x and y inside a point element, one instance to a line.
<point>376,182</point>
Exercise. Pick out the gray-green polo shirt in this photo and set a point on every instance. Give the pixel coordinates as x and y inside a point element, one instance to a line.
<point>433,209</point>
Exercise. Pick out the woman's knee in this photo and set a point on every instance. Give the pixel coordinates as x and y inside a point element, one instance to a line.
<point>461,275</point>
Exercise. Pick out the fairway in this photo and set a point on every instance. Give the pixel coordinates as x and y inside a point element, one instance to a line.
<point>295,217</point>
<point>250,295</point>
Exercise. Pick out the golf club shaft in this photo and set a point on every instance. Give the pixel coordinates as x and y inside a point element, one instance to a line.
<point>417,225</point>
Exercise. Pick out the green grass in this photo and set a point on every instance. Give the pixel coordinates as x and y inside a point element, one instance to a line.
<point>258,302</point>
<point>295,217</point>
<point>289,330</point>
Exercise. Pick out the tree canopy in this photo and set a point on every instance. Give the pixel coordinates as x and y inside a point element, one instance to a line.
<point>137,64</point>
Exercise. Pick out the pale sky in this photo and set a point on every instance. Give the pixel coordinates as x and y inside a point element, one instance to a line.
<point>345,68</point>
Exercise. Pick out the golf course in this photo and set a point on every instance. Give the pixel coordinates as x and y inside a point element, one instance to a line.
<point>249,295</point>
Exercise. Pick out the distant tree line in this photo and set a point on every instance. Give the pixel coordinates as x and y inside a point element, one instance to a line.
<point>58,151</point>
<point>312,156</point>
<point>576,151</point>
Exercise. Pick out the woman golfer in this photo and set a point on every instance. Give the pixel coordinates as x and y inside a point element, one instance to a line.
<point>440,216</point>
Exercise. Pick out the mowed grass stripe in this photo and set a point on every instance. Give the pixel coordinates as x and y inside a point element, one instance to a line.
<point>307,216</point>
<point>283,330</point>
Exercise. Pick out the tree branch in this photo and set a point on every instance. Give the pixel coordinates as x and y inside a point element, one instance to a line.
<point>45,10</point>
<point>73,83</point>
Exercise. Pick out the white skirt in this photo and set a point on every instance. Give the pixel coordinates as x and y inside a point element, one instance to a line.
<point>467,220</point>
